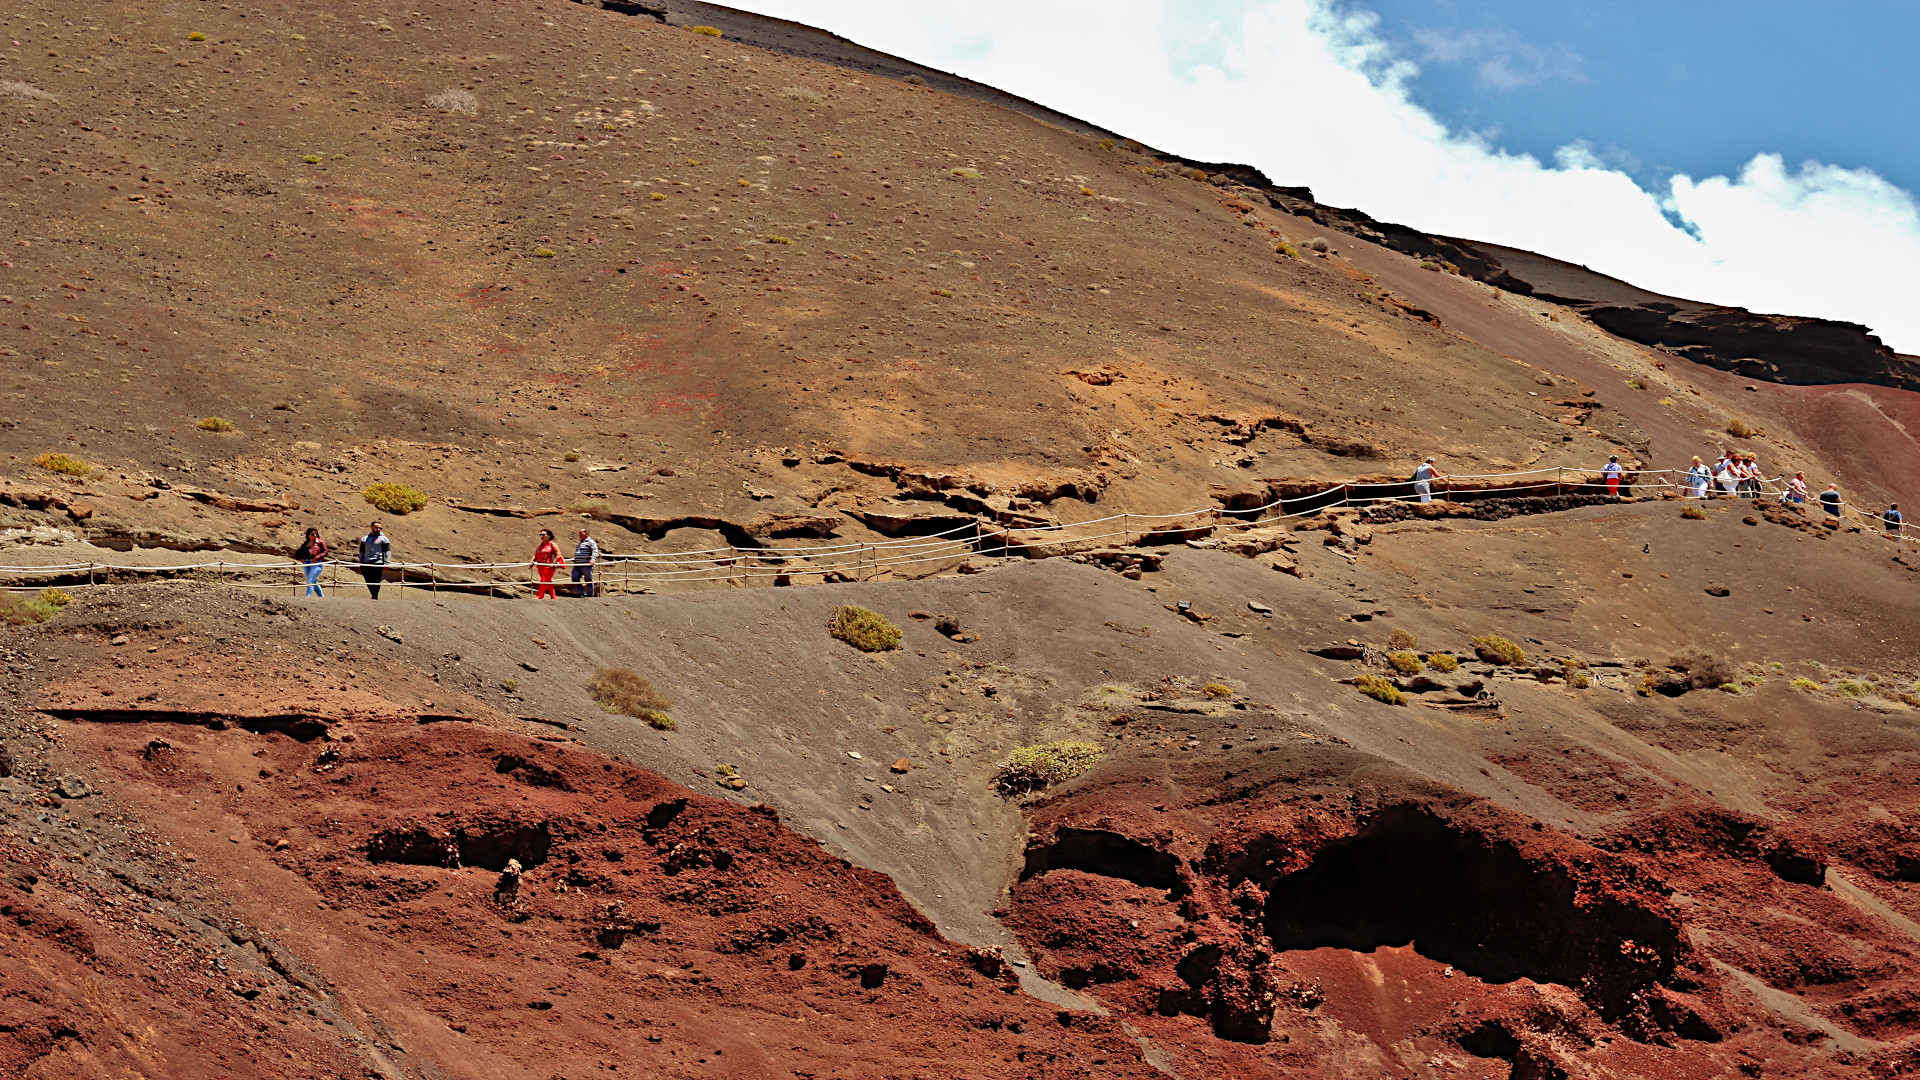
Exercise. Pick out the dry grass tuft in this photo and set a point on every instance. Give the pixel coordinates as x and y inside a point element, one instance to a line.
<point>1380,689</point>
<point>1694,513</point>
<point>1443,662</point>
<point>1031,768</point>
<point>1740,429</point>
<point>1495,649</point>
<point>1217,690</point>
<point>710,31</point>
<point>1705,670</point>
<point>15,611</point>
<point>868,631</point>
<point>11,88</point>
<point>64,463</point>
<point>1405,663</point>
<point>395,498</point>
<point>215,423</point>
<point>1403,639</point>
<point>455,101</point>
<point>621,690</point>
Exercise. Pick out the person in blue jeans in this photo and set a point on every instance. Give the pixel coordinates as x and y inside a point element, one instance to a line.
<point>1830,500</point>
<point>312,554</point>
<point>1892,519</point>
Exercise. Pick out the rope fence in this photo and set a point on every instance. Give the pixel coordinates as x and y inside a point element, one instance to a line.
<point>866,560</point>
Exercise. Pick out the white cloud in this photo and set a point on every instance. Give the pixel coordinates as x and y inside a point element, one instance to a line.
<point>1502,58</point>
<point>1312,95</point>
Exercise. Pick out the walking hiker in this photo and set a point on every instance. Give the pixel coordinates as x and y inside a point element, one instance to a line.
<point>1892,519</point>
<point>585,554</point>
<point>312,554</point>
<point>1830,500</point>
<point>546,560</point>
<point>1423,478</point>
<point>375,552</point>
<point>1611,473</point>
<point>1698,476</point>
<point>1796,492</point>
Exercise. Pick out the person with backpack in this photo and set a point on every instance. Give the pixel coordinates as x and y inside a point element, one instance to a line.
<point>1892,520</point>
<point>312,555</point>
<point>376,551</point>
<point>546,561</point>
<point>1423,478</point>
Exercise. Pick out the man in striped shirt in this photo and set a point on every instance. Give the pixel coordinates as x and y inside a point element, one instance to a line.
<point>585,554</point>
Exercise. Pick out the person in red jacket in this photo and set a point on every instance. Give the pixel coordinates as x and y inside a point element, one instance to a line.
<point>546,560</point>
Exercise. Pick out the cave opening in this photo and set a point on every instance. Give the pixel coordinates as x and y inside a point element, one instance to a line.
<point>1479,904</point>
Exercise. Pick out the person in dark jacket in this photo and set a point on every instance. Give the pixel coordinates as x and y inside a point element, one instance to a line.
<point>376,551</point>
<point>312,554</point>
<point>1830,500</point>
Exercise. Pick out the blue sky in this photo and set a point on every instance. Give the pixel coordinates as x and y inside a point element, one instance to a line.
<point>1658,88</point>
<point>1755,154</point>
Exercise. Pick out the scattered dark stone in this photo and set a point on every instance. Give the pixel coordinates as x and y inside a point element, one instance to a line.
<point>1718,590</point>
<point>72,787</point>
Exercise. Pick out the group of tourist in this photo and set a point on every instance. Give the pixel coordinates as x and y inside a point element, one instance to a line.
<point>1732,476</point>
<point>375,553</point>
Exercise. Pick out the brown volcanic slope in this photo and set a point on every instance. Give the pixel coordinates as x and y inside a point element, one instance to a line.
<point>759,264</point>
<point>241,836</point>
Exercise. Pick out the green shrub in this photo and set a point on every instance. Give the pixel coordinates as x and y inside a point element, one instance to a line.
<point>571,455</point>
<point>1579,681</point>
<point>15,611</point>
<point>1380,689</point>
<point>1694,513</point>
<point>707,30</point>
<point>778,240</point>
<point>1495,649</point>
<point>311,159</point>
<point>1106,144</point>
<point>1429,264</point>
<point>1284,248</point>
<point>621,690</point>
<point>1853,688</point>
<point>543,253</point>
<point>1217,690</point>
<point>1443,662</point>
<point>196,36</point>
<point>1196,174</point>
<point>215,423</point>
<point>1405,663</point>
<point>64,463</point>
<point>395,498</point>
<point>940,292</point>
<point>1031,768</point>
<point>1403,639</point>
<point>868,631</point>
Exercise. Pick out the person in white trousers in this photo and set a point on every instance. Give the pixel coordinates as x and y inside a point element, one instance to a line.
<point>1423,478</point>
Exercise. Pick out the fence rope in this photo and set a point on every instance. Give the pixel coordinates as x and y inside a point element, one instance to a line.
<point>866,560</point>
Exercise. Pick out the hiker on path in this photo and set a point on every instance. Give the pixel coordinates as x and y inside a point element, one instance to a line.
<point>312,554</point>
<point>546,561</point>
<point>1423,478</point>
<point>1892,519</point>
<point>1611,473</point>
<point>376,550</point>
<point>1796,492</point>
<point>585,554</point>
<point>1830,500</point>
<point>1698,477</point>
<point>1751,466</point>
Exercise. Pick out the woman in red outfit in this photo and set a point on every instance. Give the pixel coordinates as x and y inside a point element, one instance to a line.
<point>546,559</point>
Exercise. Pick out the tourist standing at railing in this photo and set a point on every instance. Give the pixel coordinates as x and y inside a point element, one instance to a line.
<point>312,554</point>
<point>1610,474</point>
<point>1698,477</point>
<point>1796,492</point>
<point>1423,478</point>
<point>585,555</point>
<point>1830,500</point>
<point>376,551</point>
<point>1725,475</point>
<point>546,562</point>
<point>1892,520</point>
